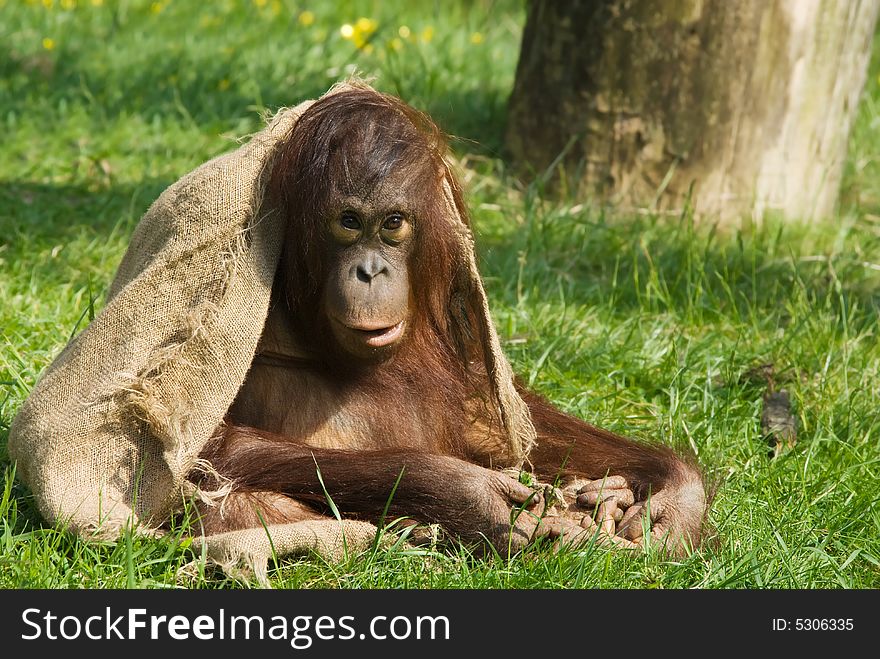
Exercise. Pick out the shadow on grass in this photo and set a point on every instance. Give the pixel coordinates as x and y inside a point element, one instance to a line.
<point>638,263</point>
<point>38,213</point>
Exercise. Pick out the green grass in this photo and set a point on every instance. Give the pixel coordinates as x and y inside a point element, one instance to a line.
<point>646,325</point>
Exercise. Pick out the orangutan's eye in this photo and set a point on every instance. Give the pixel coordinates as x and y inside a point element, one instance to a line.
<point>393,222</point>
<point>350,221</point>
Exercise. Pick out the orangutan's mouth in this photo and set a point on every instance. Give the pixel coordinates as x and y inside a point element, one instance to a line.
<point>378,337</point>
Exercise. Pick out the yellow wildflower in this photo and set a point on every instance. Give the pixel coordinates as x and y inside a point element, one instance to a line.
<point>477,38</point>
<point>404,32</point>
<point>427,34</point>
<point>68,4</point>
<point>306,18</point>
<point>48,4</point>
<point>366,25</point>
<point>156,8</point>
<point>396,44</point>
<point>360,32</point>
<point>261,3</point>
<point>223,85</point>
<point>97,3</point>
<point>48,43</point>
<point>276,7</point>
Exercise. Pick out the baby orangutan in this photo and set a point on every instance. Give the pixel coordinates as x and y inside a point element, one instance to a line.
<point>372,374</point>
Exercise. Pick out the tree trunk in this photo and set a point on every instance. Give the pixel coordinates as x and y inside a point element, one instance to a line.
<point>744,106</point>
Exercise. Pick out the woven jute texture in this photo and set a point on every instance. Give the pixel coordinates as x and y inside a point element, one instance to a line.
<point>112,428</point>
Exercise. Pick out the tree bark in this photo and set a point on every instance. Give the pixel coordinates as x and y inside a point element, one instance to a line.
<point>744,107</point>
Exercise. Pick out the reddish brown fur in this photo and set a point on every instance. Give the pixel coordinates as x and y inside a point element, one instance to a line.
<point>422,416</point>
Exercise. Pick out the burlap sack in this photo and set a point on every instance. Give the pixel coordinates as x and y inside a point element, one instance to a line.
<point>112,428</point>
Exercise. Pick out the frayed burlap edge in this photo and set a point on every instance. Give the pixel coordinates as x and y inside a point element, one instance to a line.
<point>245,555</point>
